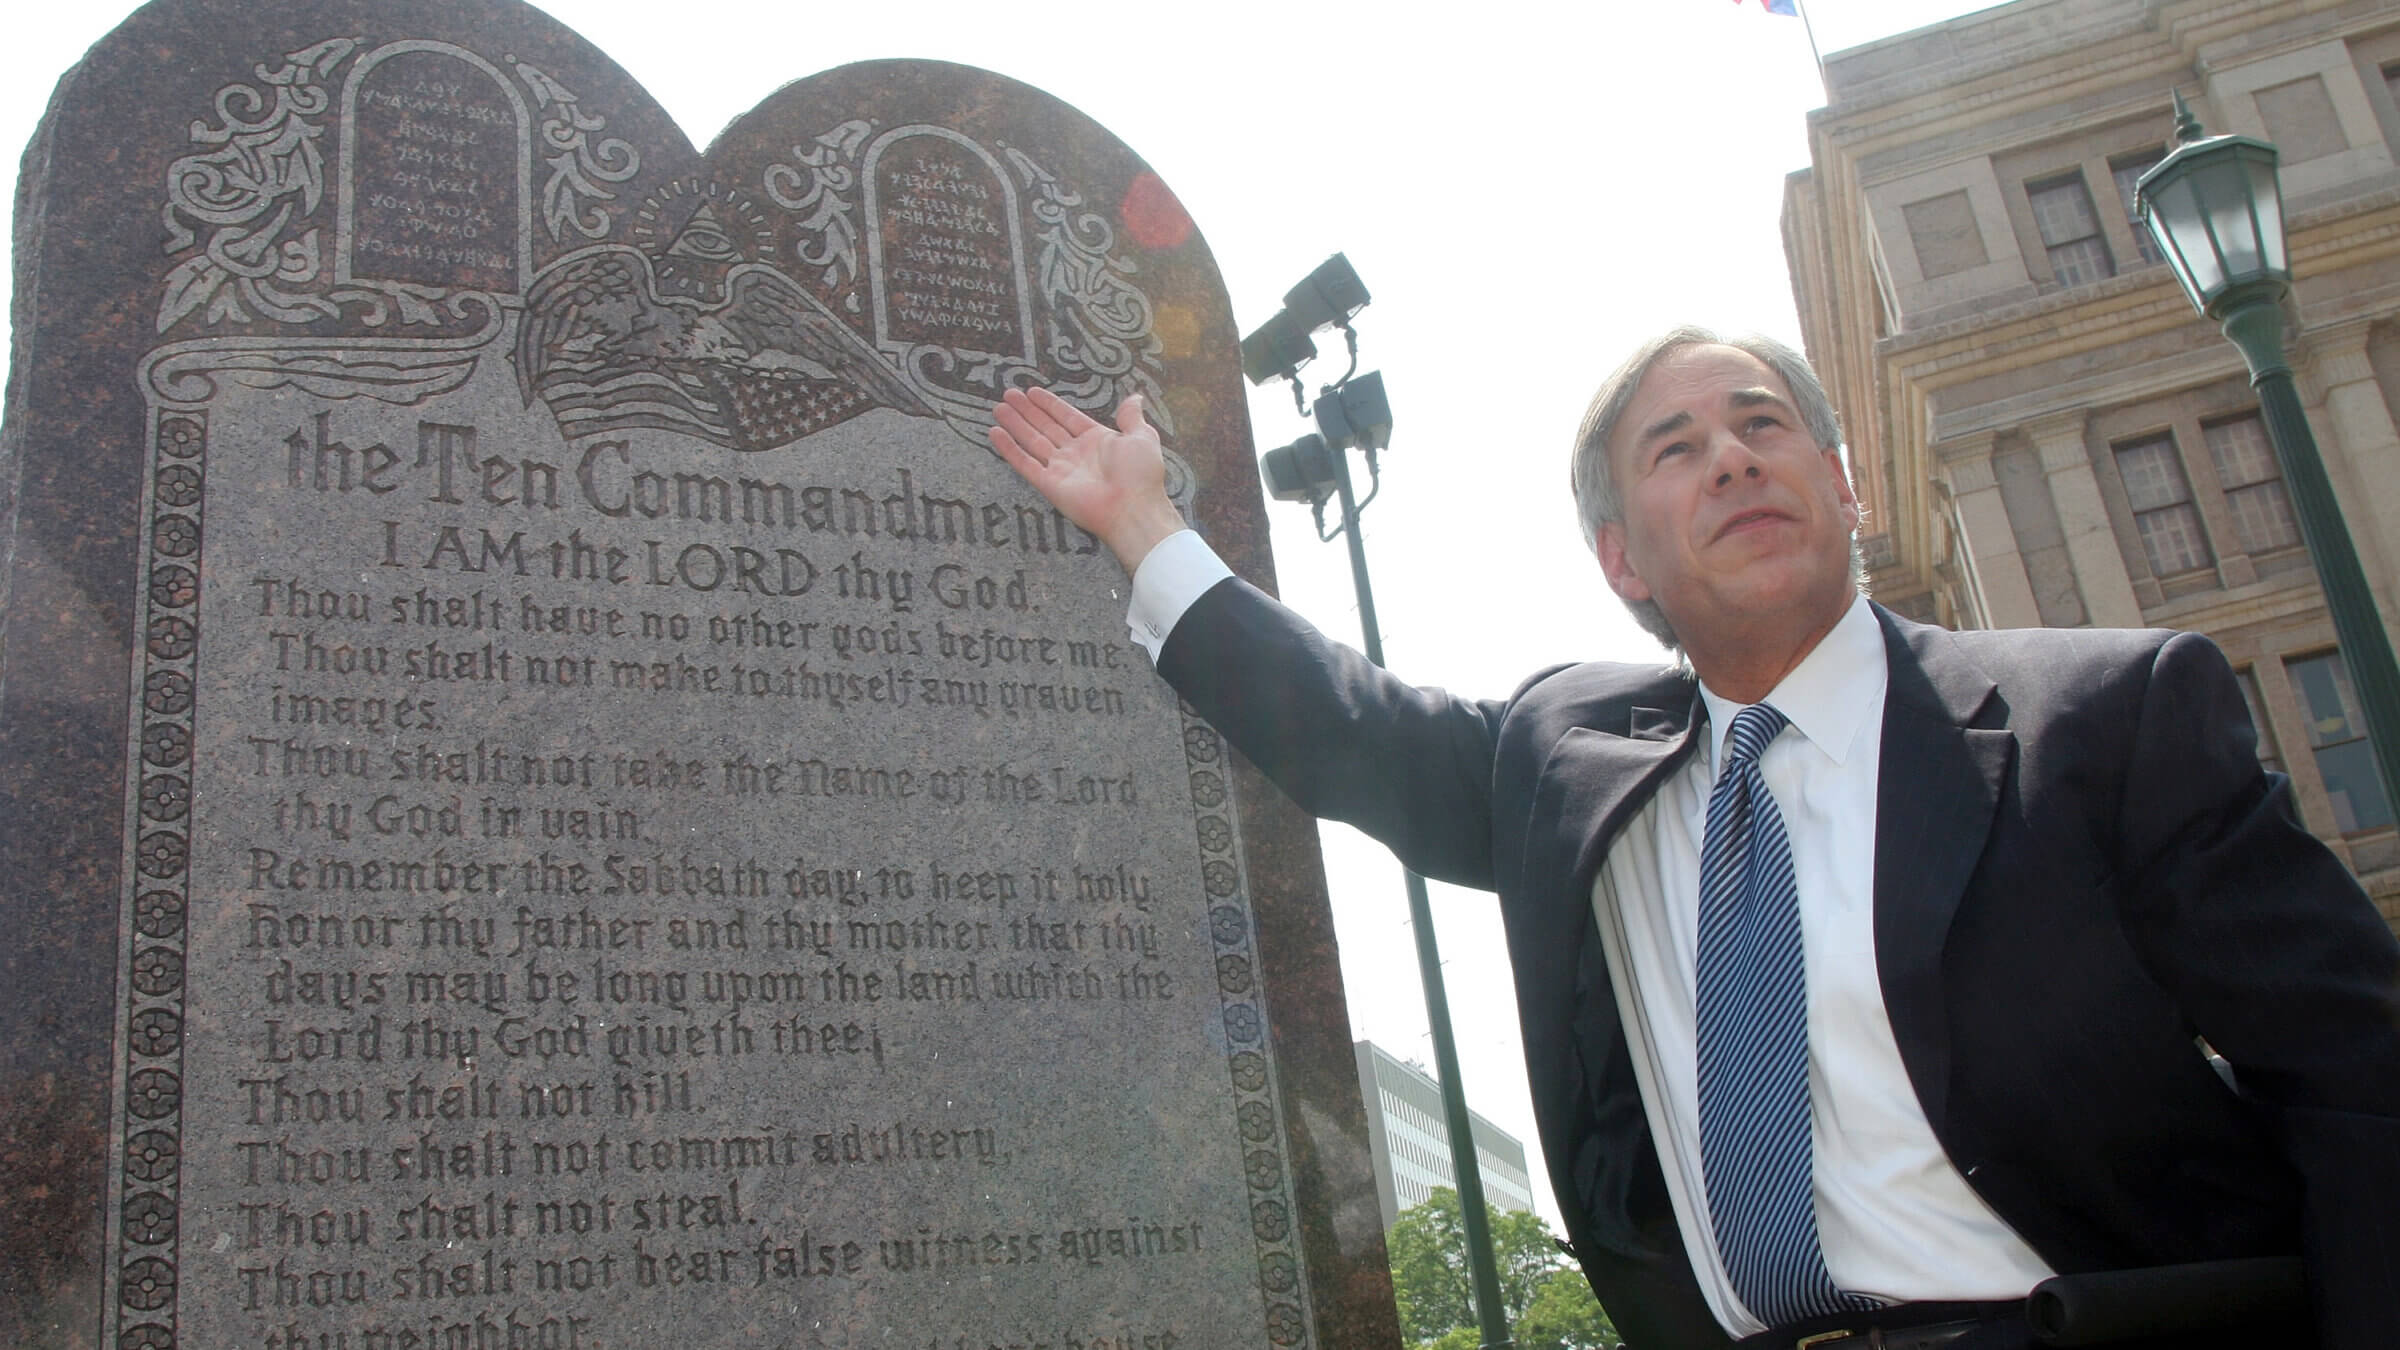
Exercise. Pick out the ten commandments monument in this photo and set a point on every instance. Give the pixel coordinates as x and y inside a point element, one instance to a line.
<point>554,794</point>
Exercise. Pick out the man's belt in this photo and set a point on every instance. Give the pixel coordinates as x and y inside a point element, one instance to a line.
<point>2208,1298</point>
<point>1930,1336</point>
<point>1902,1326</point>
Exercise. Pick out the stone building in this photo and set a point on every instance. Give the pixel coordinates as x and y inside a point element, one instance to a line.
<point>2043,430</point>
<point>1412,1140</point>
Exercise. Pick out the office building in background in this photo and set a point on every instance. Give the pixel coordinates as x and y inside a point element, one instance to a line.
<point>1412,1146</point>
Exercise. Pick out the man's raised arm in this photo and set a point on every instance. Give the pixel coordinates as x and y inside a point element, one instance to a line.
<point>1111,481</point>
<point>1347,741</point>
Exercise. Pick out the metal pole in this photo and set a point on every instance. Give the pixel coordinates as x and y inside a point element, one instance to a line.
<point>1824,85</point>
<point>1490,1314</point>
<point>2255,324</point>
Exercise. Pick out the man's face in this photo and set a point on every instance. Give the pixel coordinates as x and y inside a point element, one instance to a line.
<point>1735,520</point>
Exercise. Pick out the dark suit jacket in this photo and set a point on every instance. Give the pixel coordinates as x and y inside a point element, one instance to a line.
<point>2079,868</point>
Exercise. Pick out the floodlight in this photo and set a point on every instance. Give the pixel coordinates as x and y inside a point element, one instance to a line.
<point>1356,414</point>
<point>1328,297</point>
<point>1303,471</point>
<point>1277,350</point>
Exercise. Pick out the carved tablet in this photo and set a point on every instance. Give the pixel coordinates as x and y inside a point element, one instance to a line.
<point>621,822</point>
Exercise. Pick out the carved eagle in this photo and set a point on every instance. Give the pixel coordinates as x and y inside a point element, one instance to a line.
<point>763,367</point>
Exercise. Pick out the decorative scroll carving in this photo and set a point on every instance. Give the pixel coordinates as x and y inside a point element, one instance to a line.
<point>579,166</point>
<point>264,178</point>
<point>1100,337</point>
<point>256,197</point>
<point>398,372</point>
<point>830,221</point>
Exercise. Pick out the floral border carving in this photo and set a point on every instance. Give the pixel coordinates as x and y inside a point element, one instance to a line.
<point>144,1219</point>
<point>1258,1119</point>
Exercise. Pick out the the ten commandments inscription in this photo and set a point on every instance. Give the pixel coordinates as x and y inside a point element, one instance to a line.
<point>635,824</point>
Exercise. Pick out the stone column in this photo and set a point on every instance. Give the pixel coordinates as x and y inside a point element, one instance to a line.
<point>2359,443</point>
<point>2002,590</point>
<point>2108,599</point>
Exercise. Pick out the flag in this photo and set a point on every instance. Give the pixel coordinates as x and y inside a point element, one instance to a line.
<point>1790,9</point>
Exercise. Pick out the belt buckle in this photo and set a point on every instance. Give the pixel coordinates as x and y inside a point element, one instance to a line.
<point>1824,1338</point>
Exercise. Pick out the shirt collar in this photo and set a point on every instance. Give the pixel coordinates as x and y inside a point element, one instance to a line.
<point>1828,695</point>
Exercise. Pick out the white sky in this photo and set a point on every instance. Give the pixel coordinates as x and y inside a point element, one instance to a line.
<point>1527,198</point>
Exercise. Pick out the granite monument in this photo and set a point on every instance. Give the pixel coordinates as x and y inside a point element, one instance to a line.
<point>554,795</point>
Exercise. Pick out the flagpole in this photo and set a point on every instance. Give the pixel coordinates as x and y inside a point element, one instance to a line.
<point>1811,29</point>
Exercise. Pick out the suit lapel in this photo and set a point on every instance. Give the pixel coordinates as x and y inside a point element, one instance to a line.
<point>1946,756</point>
<point>1596,777</point>
<point>1595,782</point>
<point>1591,785</point>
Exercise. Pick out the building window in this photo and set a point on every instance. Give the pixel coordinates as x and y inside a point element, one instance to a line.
<point>2128,171</point>
<point>2161,498</point>
<point>2269,758</point>
<point>2254,492</point>
<point>2070,228</point>
<point>2335,733</point>
<point>2391,82</point>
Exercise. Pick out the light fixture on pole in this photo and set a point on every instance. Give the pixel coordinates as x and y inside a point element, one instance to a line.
<point>1352,413</point>
<point>1329,297</point>
<point>2216,209</point>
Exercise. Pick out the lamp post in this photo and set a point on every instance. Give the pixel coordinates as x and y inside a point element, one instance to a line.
<point>2216,210</point>
<point>1353,413</point>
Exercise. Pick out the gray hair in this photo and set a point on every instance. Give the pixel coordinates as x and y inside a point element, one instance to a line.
<point>1594,477</point>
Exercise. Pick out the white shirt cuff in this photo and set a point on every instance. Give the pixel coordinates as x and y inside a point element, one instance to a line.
<point>1178,571</point>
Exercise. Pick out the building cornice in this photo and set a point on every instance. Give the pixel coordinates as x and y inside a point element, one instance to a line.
<point>1985,120</point>
<point>1994,42</point>
<point>2023,66</point>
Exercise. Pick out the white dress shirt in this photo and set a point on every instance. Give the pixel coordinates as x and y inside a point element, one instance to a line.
<point>1178,571</point>
<point>1896,1219</point>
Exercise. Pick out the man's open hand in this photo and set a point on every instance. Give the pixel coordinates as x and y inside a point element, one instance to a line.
<point>1111,481</point>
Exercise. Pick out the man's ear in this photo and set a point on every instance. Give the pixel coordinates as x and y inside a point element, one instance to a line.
<point>1622,579</point>
<point>1842,490</point>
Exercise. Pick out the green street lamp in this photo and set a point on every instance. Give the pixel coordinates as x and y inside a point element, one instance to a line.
<point>2216,210</point>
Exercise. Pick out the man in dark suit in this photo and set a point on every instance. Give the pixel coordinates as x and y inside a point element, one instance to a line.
<point>1870,974</point>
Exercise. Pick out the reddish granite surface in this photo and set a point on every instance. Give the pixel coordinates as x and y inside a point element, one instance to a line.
<point>97,673</point>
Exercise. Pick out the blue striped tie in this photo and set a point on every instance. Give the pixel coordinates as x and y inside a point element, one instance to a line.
<point>1751,988</point>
